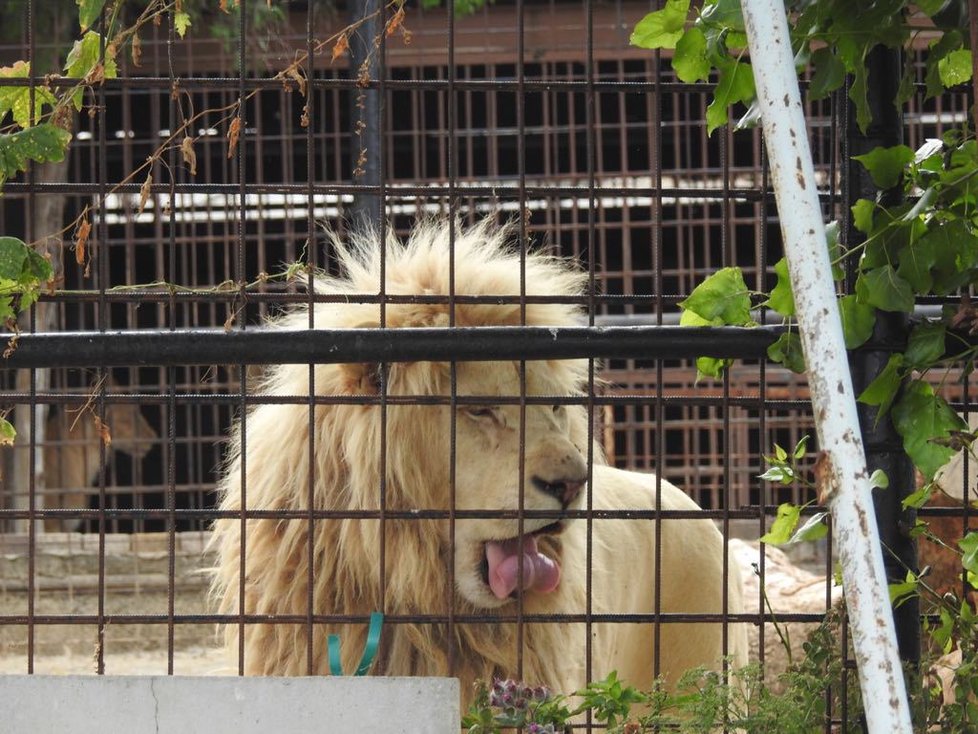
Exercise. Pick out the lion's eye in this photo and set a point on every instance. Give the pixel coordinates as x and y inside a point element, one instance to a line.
<point>482,412</point>
<point>558,410</point>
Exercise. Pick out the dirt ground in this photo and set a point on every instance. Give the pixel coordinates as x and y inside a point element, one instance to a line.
<point>190,661</point>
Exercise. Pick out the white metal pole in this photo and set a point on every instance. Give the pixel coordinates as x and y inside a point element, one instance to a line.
<point>844,478</point>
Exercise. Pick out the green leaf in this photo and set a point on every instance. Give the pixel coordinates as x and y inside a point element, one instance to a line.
<point>862,215</point>
<point>723,14</point>
<point>969,544</point>
<point>955,68</point>
<point>858,95</point>
<point>945,44</point>
<point>787,350</point>
<point>883,288</point>
<point>88,12</point>
<point>662,28</point>
<point>181,22</point>
<point>813,529</point>
<point>955,249</point>
<point>7,433</point>
<point>784,525</point>
<point>830,73</point>
<point>879,480</point>
<point>782,298</point>
<point>835,249</point>
<point>885,386</point>
<point>723,296</point>
<point>736,84</point>
<point>915,263</point>
<point>918,499</point>
<point>84,57</point>
<point>926,344</point>
<point>903,591</point>
<point>18,99</point>
<point>858,320</point>
<point>691,62</point>
<point>930,7</point>
<point>920,416</point>
<point>886,165</point>
<point>42,143</point>
<point>781,474</point>
<point>13,258</point>
<point>711,367</point>
<point>800,448</point>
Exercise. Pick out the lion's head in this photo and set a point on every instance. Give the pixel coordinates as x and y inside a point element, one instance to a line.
<point>509,455</point>
<point>502,446</point>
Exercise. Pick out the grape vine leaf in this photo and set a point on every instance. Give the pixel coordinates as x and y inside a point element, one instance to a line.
<point>42,143</point>
<point>926,343</point>
<point>724,296</point>
<point>920,416</point>
<point>84,59</point>
<point>885,165</point>
<point>955,68</point>
<point>787,350</point>
<point>782,297</point>
<point>88,12</point>
<point>883,288</point>
<point>884,387</point>
<point>692,60</point>
<point>858,320</point>
<point>17,100</point>
<point>736,84</point>
<point>662,28</point>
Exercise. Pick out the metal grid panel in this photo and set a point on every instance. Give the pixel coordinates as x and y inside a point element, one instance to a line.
<point>596,149</point>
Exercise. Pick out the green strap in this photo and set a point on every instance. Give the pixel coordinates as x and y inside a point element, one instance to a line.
<point>369,650</point>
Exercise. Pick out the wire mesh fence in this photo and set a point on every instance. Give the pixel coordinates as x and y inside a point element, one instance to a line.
<point>208,178</point>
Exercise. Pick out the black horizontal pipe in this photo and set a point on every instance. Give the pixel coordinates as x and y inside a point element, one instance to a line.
<point>303,346</point>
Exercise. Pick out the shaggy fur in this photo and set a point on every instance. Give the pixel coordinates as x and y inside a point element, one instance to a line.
<point>420,576</point>
<point>72,455</point>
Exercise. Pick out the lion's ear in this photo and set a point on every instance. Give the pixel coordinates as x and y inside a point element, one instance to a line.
<point>362,378</point>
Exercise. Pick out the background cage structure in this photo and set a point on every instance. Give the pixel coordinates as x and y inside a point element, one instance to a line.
<point>537,111</point>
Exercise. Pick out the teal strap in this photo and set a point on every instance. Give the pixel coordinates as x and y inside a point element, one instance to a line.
<point>369,650</point>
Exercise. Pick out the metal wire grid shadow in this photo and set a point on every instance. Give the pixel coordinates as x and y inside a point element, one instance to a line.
<point>591,148</point>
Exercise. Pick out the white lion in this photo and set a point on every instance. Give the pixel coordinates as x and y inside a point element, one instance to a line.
<point>452,596</point>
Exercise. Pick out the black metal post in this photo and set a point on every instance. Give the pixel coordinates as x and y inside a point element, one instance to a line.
<point>366,17</point>
<point>884,447</point>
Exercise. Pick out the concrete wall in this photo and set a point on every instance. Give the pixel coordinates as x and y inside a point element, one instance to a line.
<point>188,705</point>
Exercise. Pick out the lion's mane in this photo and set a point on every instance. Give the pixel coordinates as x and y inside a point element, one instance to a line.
<point>338,469</point>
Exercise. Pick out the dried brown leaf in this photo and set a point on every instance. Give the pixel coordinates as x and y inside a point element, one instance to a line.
<point>136,50</point>
<point>395,22</point>
<point>341,46</point>
<point>144,192</point>
<point>234,132</point>
<point>189,156</point>
<point>294,73</point>
<point>103,431</point>
<point>82,232</point>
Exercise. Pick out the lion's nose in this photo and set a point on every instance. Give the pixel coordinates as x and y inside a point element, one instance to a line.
<point>564,491</point>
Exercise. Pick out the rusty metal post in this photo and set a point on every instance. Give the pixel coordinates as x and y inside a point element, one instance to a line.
<point>884,447</point>
<point>365,110</point>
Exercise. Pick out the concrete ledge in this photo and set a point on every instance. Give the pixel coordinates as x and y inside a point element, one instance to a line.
<point>192,705</point>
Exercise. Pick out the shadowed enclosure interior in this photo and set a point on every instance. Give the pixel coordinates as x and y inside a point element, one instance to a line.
<point>537,112</point>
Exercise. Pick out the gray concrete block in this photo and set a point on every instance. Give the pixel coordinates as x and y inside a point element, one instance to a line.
<point>227,705</point>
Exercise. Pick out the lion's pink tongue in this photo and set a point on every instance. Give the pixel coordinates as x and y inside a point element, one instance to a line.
<point>540,573</point>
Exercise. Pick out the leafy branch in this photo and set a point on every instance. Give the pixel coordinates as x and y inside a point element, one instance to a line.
<point>832,38</point>
<point>37,117</point>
